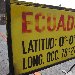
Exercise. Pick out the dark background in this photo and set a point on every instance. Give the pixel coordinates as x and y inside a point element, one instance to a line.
<point>2,12</point>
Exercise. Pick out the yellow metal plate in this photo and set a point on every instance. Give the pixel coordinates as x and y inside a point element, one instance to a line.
<point>41,37</point>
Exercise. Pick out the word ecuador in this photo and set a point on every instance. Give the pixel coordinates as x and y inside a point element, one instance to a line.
<point>53,23</point>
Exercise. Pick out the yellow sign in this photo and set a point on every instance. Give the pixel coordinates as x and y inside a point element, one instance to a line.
<point>12,1</point>
<point>41,37</point>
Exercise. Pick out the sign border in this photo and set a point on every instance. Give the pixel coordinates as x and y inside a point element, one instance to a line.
<point>9,40</point>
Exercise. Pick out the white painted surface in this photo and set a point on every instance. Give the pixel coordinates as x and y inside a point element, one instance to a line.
<point>64,3</point>
<point>3,52</point>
